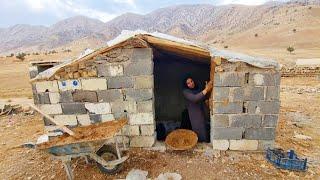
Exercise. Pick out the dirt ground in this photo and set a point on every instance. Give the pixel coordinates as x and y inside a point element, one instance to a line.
<point>300,112</point>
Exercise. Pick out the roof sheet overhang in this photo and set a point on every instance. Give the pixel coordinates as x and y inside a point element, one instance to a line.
<point>168,43</point>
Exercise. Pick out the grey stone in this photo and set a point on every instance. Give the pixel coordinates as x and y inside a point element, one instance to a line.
<point>47,122</point>
<point>220,120</point>
<point>120,115</point>
<point>253,93</point>
<point>221,94</point>
<point>272,93</point>
<point>260,133</point>
<point>227,133</point>
<point>236,94</point>
<point>44,98</point>
<point>145,106</point>
<point>95,118</point>
<point>270,121</point>
<point>66,97</point>
<point>73,108</point>
<point>120,82</point>
<point>142,54</point>
<point>265,144</point>
<point>229,79</point>
<point>85,96</point>
<point>139,94</point>
<point>227,107</point>
<point>33,74</point>
<point>36,98</point>
<point>245,120</point>
<point>264,79</point>
<point>107,70</point>
<point>123,107</point>
<point>139,68</point>
<point>263,107</point>
<point>109,95</point>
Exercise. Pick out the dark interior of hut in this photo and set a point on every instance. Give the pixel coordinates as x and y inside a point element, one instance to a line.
<point>170,105</point>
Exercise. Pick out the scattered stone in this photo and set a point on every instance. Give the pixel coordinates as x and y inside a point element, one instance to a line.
<point>137,174</point>
<point>301,136</point>
<point>169,176</point>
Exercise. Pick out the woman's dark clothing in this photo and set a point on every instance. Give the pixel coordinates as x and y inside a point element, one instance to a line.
<point>196,109</point>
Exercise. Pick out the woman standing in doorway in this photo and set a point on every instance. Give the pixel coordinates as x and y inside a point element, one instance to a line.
<point>196,106</point>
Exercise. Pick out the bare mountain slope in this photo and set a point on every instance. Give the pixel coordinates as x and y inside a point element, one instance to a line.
<point>273,23</point>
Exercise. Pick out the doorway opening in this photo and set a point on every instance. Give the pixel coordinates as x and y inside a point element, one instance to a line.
<point>170,105</point>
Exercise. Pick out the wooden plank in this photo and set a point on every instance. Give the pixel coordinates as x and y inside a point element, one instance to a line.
<point>212,72</point>
<point>64,128</point>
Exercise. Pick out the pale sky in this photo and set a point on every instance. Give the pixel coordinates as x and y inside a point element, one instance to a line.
<point>48,12</point>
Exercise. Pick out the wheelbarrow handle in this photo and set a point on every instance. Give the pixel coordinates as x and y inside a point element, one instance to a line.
<point>62,127</point>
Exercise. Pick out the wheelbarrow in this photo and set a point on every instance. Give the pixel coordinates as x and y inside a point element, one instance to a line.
<point>97,142</point>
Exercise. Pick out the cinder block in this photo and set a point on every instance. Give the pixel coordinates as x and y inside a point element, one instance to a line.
<point>73,108</point>
<point>227,133</point>
<point>147,130</point>
<point>221,145</point>
<point>66,97</point>
<point>263,107</point>
<point>141,118</point>
<point>85,96</point>
<point>131,130</point>
<point>219,120</point>
<point>143,82</point>
<point>120,82</point>
<point>107,117</point>
<point>236,94</point>
<point>66,120</point>
<point>265,144</point>
<point>145,106</point>
<point>139,94</point>
<point>54,97</point>
<point>142,141</point>
<point>227,107</point>
<point>142,54</point>
<point>264,79</point>
<point>68,85</point>
<point>110,95</point>
<point>94,84</point>
<point>98,108</point>
<point>51,108</point>
<point>229,79</point>
<point>221,93</point>
<point>270,121</point>
<point>245,120</point>
<point>44,98</point>
<point>244,145</point>
<point>46,86</point>
<point>260,133</point>
<point>123,107</point>
<point>253,93</point>
<point>139,68</point>
<point>272,93</point>
<point>83,119</point>
<point>95,118</point>
<point>107,70</point>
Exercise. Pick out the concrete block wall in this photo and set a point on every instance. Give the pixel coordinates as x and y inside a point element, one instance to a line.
<point>245,107</point>
<point>121,87</point>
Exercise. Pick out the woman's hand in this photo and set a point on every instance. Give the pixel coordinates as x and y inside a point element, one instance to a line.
<point>209,86</point>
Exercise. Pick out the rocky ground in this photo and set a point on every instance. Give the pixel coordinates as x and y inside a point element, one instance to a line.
<point>298,129</point>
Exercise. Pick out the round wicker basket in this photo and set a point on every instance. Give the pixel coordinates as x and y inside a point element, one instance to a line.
<point>181,139</point>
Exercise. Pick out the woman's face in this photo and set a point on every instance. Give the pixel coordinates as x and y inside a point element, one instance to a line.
<point>190,83</point>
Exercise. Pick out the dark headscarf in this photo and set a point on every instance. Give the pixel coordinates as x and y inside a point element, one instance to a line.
<point>185,86</point>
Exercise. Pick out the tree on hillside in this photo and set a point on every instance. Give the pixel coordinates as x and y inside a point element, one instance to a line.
<point>294,30</point>
<point>226,46</point>
<point>256,35</point>
<point>290,49</point>
<point>21,56</point>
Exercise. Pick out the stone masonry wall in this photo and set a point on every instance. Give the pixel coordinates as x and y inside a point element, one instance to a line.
<point>121,87</point>
<point>245,107</point>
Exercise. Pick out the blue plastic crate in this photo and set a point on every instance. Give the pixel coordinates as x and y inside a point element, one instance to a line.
<point>286,160</point>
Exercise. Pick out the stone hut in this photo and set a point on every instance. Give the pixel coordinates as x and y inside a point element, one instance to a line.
<point>139,75</point>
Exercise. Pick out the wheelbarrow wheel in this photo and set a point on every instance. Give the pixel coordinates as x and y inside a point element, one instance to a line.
<point>108,153</point>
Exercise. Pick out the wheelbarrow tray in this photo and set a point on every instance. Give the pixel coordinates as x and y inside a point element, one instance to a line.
<point>94,134</point>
